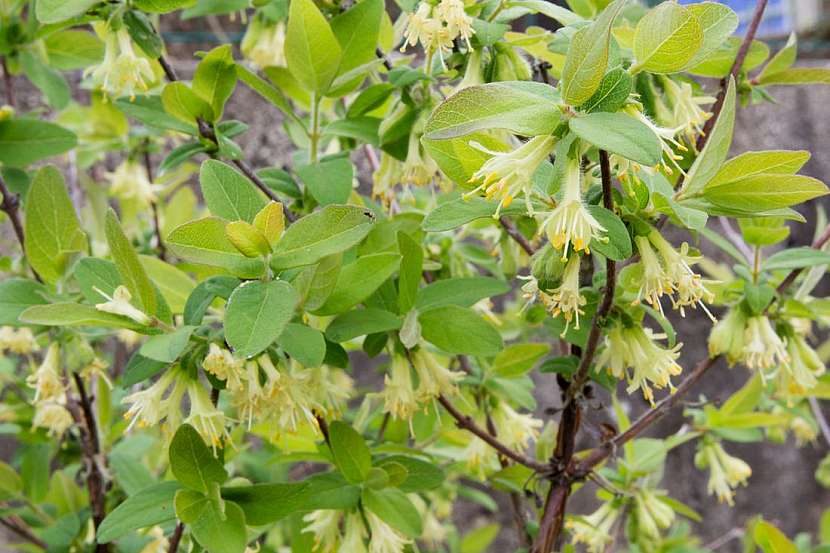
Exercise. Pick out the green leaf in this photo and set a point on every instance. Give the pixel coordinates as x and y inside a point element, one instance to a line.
<point>620,134</point>
<point>303,343</point>
<point>71,49</point>
<point>173,283</point>
<point>184,104</point>
<point>781,61</point>
<point>162,6</point>
<point>796,258</point>
<point>256,315</point>
<point>311,49</point>
<point>143,33</point>
<point>557,13</point>
<point>799,76</point>
<point>53,233</point>
<point>457,329</point>
<point>667,38</point>
<point>264,89</point>
<point>351,455</point>
<point>55,11</point>
<point>150,111</point>
<point>765,191</point>
<point>395,509</point>
<point>149,507</point>
<point>192,462</point>
<point>479,539</point>
<point>409,278</point>
<point>318,281</point>
<point>247,239</point>
<point>771,540</point>
<point>587,58</point>
<point>462,291</point>
<point>24,141</point>
<point>357,32</point>
<point>718,22</point>
<point>129,267</point>
<point>361,322</point>
<point>204,241</point>
<point>333,229</point>
<point>718,63</point>
<point>358,280</point>
<point>421,475</point>
<point>521,107</point>
<point>11,484</point>
<point>267,503</point>
<point>612,93</point>
<point>217,527</point>
<point>618,246</point>
<point>329,181</point>
<point>710,159</point>
<point>752,163</point>
<point>455,213</point>
<point>49,81</point>
<point>517,359</point>
<point>17,295</point>
<point>167,347</point>
<point>75,314</point>
<point>215,79</point>
<point>458,159</point>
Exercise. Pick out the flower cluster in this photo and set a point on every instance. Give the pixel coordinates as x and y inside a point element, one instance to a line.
<point>566,300</point>
<point>50,395</point>
<point>19,341</point>
<point>678,108</point>
<point>435,27</point>
<point>264,43</point>
<point>119,304</point>
<point>667,271</point>
<point>129,182</point>
<point>123,71</point>
<point>631,352</point>
<point>725,471</point>
<point>595,530</point>
<point>325,525</point>
<point>401,398</point>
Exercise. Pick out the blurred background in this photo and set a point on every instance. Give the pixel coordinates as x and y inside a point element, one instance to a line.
<point>782,488</point>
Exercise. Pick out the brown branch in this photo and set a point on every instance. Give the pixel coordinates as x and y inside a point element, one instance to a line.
<point>514,233</point>
<point>19,529</point>
<point>467,423</point>
<point>148,166</point>
<point>8,82</point>
<point>91,447</point>
<point>757,16</point>
<point>324,427</point>
<point>10,206</point>
<point>207,132</point>
<point>176,538</point>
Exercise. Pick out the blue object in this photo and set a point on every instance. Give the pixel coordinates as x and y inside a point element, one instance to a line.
<point>777,20</point>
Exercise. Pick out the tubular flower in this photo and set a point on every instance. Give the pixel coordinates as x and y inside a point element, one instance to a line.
<point>687,285</point>
<point>353,535</point>
<point>655,282</point>
<point>434,378</point>
<point>436,28</point>
<point>325,525</point>
<point>479,457</point>
<point>384,538</point>
<point>633,353</point>
<point>264,43</point>
<point>458,22</point>
<point>148,407</point>
<point>52,416</point>
<point>119,304</point>
<point>158,542</point>
<point>17,340</point>
<point>516,430</point>
<point>666,136</point>
<point>507,174</point>
<point>122,72</point>
<point>46,380</point>
<point>288,395</point>
<point>331,388</point>
<point>387,176</point>
<point>208,421</point>
<point>250,397</point>
<point>803,369</point>
<point>725,471</point>
<point>570,223</point>
<point>594,530</point>
<point>727,336</point>
<point>418,168</point>
<point>763,348</point>
<point>652,513</point>
<point>567,300</point>
<point>224,366</point>
<point>129,182</point>
<point>399,396</point>
<point>686,113</point>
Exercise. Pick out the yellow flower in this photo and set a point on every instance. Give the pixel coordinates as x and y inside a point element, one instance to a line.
<point>264,43</point>
<point>224,366</point>
<point>727,336</point>
<point>288,396</point>
<point>17,340</point>
<point>353,535</point>
<point>506,175</point>
<point>666,136</point>
<point>46,380</point>
<point>149,407</point>
<point>652,513</point>
<point>514,429</point>
<point>567,300</point>
<point>387,176</point>
<point>158,542</point>
<point>763,348</point>
<point>688,287</point>
<point>457,20</point>
<point>800,373</point>
<point>418,168</point>
<point>331,389</point>
<point>53,416</point>
<point>686,113</point>
<point>479,456</point>
<point>655,282</point>
<point>384,538</point>
<point>119,304</point>
<point>570,223</point>
<point>325,525</point>
<point>434,378</point>
<point>594,530</point>
<point>122,72</point>
<point>208,421</point>
<point>399,396</point>
<point>130,182</point>
<point>725,471</point>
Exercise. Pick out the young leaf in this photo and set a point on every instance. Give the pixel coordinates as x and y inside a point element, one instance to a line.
<point>129,267</point>
<point>311,49</point>
<point>270,221</point>
<point>518,359</point>
<point>765,191</point>
<point>457,329</point>
<point>796,258</point>
<point>667,38</point>
<point>267,503</point>
<point>184,104</point>
<point>612,93</point>
<point>247,239</point>
<point>24,141</point>
<point>204,241</point>
<point>55,11</point>
<point>17,295</point>
<point>718,22</point>
<point>351,455</point>
<point>52,230</point>
<point>215,79</point>
<point>620,134</point>
<point>410,274</point>
<point>358,280</point>
<point>256,315</point>
<point>193,463</point>
<point>329,181</point>
<point>781,61</point>
<point>75,314</point>
<point>395,509</point>
<point>217,527</point>
<point>229,194</point>
<point>752,163</point>
<point>167,347</point>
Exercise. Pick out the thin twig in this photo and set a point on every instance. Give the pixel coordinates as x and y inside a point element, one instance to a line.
<point>10,206</point>
<point>8,83</point>
<point>324,427</point>
<point>820,419</point>
<point>734,236</point>
<point>176,538</point>
<point>19,528</point>
<point>148,167</point>
<point>514,233</point>
<point>91,447</point>
<point>467,423</point>
<point>818,244</point>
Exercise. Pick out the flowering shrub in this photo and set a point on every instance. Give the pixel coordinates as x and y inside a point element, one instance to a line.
<point>182,332</point>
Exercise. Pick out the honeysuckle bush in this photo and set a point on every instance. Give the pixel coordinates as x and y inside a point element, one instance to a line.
<point>185,335</point>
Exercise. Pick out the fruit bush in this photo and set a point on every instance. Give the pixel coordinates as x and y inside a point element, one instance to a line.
<point>181,330</point>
